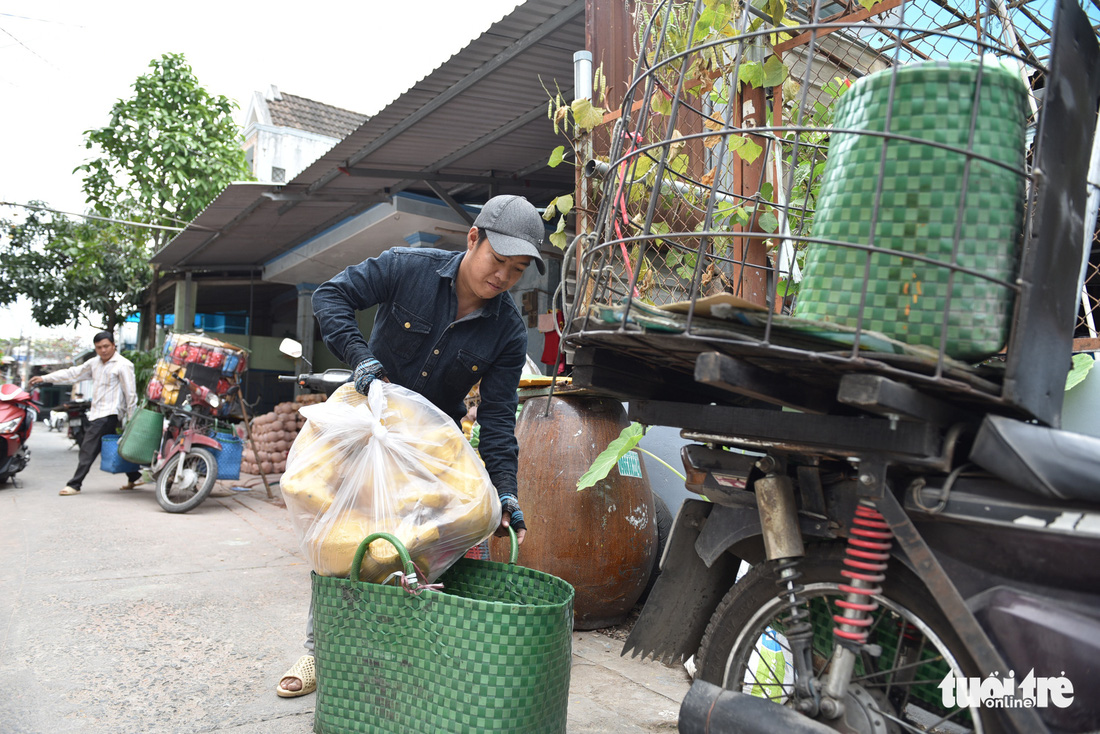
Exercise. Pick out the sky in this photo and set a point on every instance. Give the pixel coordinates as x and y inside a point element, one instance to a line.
<point>64,64</point>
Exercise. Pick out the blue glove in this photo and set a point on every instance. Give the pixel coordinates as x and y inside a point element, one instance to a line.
<point>367,372</point>
<point>509,503</point>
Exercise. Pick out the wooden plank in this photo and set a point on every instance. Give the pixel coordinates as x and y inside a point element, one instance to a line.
<point>861,14</point>
<point>884,396</point>
<point>1086,345</point>
<point>742,378</point>
<point>835,435</point>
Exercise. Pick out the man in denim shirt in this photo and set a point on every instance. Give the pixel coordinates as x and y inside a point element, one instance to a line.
<point>445,320</point>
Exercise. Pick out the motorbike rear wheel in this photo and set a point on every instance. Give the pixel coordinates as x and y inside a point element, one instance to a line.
<point>898,688</point>
<point>200,471</point>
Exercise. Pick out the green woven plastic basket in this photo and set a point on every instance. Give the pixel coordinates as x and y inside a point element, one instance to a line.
<point>922,194</point>
<point>141,437</point>
<point>491,652</point>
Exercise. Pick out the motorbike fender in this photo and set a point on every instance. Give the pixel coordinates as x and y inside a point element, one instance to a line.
<point>184,444</point>
<point>683,600</point>
<point>212,443</point>
<point>729,526</point>
<point>697,572</point>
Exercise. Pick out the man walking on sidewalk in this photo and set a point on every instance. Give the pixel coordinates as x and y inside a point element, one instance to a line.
<point>114,398</point>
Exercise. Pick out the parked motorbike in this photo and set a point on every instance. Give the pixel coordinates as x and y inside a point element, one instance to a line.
<point>922,539</point>
<point>76,419</point>
<point>322,382</point>
<point>18,412</point>
<point>185,467</point>
<point>58,420</point>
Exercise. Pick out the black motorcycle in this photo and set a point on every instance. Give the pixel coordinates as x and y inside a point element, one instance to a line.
<point>76,418</point>
<point>325,382</point>
<point>896,535</point>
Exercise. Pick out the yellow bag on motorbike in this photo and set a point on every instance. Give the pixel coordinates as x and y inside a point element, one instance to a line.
<point>389,462</point>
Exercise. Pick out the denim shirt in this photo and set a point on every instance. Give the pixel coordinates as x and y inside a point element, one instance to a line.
<point>423,348</point>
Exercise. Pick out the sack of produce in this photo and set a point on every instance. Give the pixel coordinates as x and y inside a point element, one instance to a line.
<point>390,462</point>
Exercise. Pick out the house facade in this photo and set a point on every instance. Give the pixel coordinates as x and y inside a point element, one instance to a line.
<point>284,133</point>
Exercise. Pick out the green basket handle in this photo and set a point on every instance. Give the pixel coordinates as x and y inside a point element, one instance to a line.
<point>406,560</point>
<point>357,562</point>
<point>513,556</point>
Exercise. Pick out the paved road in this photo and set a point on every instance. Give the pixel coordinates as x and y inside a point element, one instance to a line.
<point>116,616</point>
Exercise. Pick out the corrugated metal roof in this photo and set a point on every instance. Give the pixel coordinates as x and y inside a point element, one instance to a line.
<point>477,125</point>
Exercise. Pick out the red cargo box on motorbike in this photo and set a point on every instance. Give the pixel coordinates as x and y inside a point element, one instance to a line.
<point>215,364</point>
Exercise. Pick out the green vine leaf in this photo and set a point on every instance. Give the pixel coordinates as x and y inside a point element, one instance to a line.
<point>563,203</point>
<point>586,115</point>
<point>609,457</point>
<point>557,155</point>
<point>768,222</point>
<point>660,104</point>
<point>744,147</point>
<point>775,73</point>
<point>751,73</point>
<point>559,238</point>
<point>1082,363</point>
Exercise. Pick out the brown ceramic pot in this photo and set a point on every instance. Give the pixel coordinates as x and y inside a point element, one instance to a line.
<point>603,539</point>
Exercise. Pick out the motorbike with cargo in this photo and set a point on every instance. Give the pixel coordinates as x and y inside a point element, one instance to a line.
<point>921,536</point>
<point>185,465</point>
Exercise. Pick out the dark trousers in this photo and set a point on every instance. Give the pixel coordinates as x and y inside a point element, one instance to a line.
<point>89,449</point>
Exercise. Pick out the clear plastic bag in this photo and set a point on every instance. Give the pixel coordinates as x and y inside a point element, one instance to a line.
<point>389,462</point>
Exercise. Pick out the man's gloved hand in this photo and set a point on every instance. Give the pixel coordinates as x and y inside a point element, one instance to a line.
<point>510,504</point>
<point>367,372</point>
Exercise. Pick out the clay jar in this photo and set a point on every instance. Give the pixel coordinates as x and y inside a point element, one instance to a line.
<point>603,539</point>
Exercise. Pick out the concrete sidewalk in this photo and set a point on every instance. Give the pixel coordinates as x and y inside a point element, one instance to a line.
<point>116,616</point>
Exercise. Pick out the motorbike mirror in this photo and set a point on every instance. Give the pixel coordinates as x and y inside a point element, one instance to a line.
<point>291,348</point>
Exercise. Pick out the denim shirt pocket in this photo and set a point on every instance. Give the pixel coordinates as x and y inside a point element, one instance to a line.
<point>406,333</point>
<point>465,370</point>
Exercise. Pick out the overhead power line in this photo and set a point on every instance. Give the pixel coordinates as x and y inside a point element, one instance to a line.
<point>101,219</point>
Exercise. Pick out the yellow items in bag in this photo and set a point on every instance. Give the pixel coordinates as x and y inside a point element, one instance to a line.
<point>389,462</point>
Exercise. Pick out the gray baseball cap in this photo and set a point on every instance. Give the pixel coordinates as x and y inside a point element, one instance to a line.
<point>514,227</point>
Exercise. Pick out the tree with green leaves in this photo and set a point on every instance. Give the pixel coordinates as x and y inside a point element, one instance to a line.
<point>164,155</point>
<point>71,271</point>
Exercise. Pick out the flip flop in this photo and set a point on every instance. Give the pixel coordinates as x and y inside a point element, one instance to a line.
<point>305,671</point>
<point>131,485</point>
<point>68,491</point>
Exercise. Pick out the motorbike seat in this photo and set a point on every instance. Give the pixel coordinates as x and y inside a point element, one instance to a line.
<point>1045,461</point>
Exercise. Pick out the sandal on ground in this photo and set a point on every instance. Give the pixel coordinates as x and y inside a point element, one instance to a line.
<point>131,485</point>
<point>68,491</point>
<point>304,671</point>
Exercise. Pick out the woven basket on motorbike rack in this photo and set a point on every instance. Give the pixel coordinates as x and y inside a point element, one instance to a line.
<point>141,437</point>
<point>110,461</point>
<point>229,458</point>
<point>491,652</point>
<point>925,190</point>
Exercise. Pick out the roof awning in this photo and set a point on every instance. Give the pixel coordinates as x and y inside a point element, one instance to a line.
<point>475,127</point>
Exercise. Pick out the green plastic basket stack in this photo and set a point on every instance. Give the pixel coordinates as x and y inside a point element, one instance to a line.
<point>141,437</point>
<point>490,652</point>
<point>922,190</point>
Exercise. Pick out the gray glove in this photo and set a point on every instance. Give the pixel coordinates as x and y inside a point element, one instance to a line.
<point>367,372</point>
<point>509,503</point>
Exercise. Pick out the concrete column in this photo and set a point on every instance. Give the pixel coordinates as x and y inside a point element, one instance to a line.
<point>304,326</point>
<point>187,292</point>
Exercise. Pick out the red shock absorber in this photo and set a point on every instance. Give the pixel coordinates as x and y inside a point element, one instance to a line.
<point>868,552</point>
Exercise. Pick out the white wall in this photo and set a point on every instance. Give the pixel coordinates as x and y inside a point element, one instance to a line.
<point>284,147</point>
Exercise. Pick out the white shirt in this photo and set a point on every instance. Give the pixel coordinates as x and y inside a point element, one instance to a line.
<point>114,390</point>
